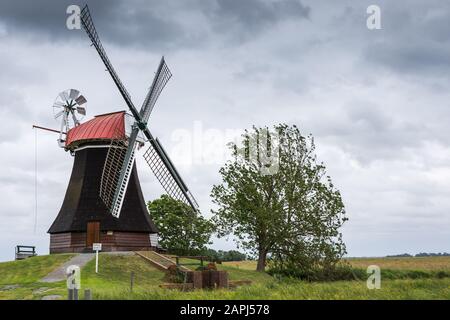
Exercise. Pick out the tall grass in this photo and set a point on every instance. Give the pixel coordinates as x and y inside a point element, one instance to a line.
<point>403,263</point>
<point>295,289</point>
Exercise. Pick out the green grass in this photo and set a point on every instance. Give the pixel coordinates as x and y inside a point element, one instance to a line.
<point>30,270</point>
<point>263,286</point>
<point>245,265</point>
<point>34,291</point>
<point>115,273</point>
<point>415,279</point>
<point>295,289</point>
<point>24,276</point>
<point>113,279</point>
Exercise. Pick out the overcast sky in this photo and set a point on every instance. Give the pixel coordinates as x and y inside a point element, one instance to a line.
<point>376,101</point>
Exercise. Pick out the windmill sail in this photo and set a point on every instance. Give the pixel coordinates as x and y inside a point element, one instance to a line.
<point>74,94</point>
<point>162,167</point>
<point>124,175</point>
<point>120,157</point>
<point>162,76</point>
<point>89,27</point>
<point>116,173</point>
<point>111,172</point>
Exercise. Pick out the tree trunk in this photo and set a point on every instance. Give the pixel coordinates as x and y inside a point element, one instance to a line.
<point>261,266</point>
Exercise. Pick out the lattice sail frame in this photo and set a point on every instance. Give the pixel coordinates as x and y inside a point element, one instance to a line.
<point>117,171</point>
<point>111,170</point>
<point>167,181</point>
<point>160,80</point>
<point>88,25</point>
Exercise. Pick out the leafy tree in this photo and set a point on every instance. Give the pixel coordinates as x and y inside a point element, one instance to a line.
<point>291,214</point>
<point>231,255</point>
<point>220,255</point>
<point>181,230</point>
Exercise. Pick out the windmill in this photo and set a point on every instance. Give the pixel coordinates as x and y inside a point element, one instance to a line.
<point>104,201</point>
<point>121,155</point>
<point>67,106</point>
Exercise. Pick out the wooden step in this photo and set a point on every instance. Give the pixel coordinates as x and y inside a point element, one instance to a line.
<point>160,261</point>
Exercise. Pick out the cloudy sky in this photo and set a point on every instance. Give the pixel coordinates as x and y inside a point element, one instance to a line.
<point>376,101</point>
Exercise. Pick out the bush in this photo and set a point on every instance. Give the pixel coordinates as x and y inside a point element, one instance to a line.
<point>220,256</point>
<point>339,272</point>
<point>174,274</point>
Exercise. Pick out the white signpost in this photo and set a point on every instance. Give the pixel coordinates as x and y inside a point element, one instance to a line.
<point>96,247</point>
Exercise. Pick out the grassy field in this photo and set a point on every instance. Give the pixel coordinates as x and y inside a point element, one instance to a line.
<point>20,279</point>
<point>407,263</point>
<point>113,281</point>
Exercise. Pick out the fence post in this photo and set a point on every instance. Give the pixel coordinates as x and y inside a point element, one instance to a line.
<point>87,294</point>
<point>131,281</point>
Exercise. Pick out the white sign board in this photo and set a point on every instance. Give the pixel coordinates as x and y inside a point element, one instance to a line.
<point>96,247</point>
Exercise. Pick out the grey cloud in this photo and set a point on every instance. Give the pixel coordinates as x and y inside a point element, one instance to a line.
<point>137,23</point>
<point>46,18</point>
<point>369,133</point>
<point>414,39</point>
<point>152,25</point>
<point>250,16</point>
<point>426,57</point>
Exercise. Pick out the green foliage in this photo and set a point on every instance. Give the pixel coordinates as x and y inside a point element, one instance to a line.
<point>338,273</point>
<point>175,275</point>
<point>223,256</point>
<point>181,230</point>
<point>439,254</point>
<point>292,215</point>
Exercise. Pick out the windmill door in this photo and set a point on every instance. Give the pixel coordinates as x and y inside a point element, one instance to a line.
<point>93,233</point>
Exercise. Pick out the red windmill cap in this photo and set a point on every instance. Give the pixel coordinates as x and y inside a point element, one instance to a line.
<point>103,127</point>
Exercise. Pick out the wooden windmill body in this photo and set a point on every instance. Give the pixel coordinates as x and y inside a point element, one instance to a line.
<point>84,219</point>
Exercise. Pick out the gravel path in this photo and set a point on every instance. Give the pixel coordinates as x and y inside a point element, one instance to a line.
<point>59,273</point>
